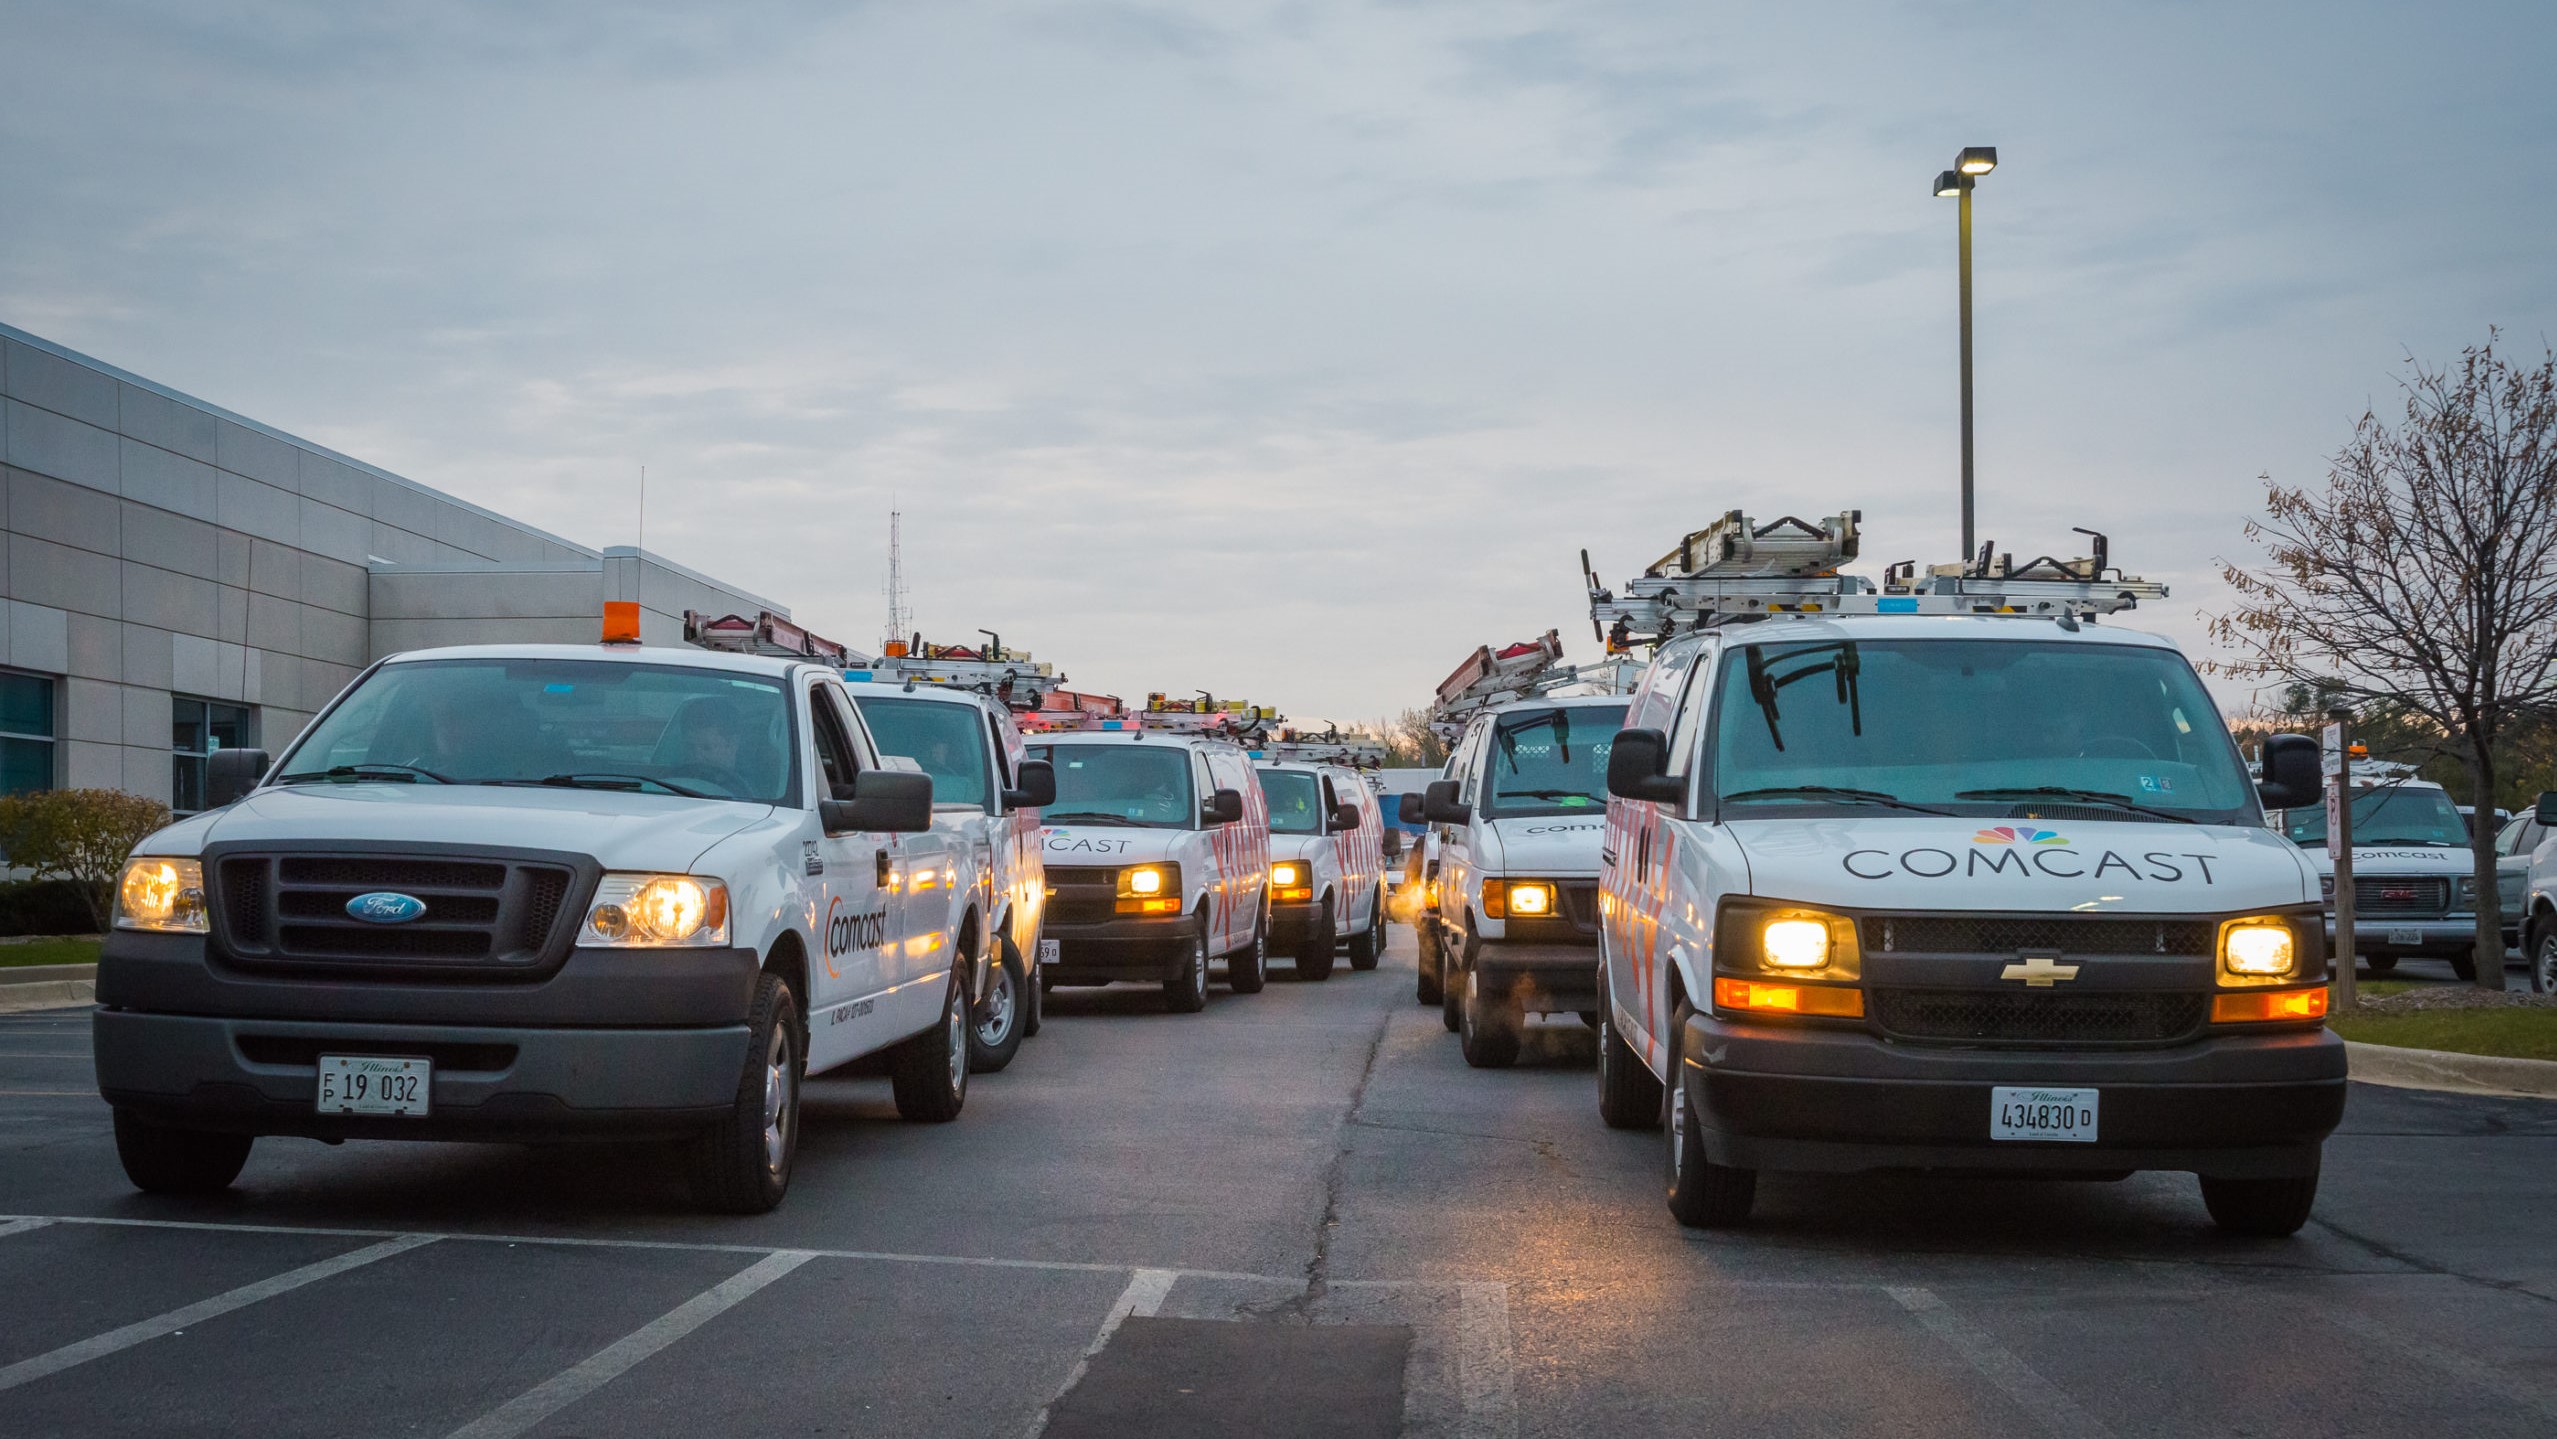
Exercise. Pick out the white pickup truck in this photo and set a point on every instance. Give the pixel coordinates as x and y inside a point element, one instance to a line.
<point>538,893</point>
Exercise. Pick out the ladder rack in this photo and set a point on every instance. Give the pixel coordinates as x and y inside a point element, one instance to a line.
<point>1007,675</point>
<point>1489,677</point>
<point>1295,746</point>
<point>765,633</point>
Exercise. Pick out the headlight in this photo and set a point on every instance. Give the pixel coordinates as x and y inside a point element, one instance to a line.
<point>1795,943</point>
<point>1798,942</point>
<point>2258,949</point>
<point>1531,899</point>
<point>1150,889</point>
<point>1287,873</point>
<point>162,895</point>
<point>1146,879</point>
<point>656,911</point>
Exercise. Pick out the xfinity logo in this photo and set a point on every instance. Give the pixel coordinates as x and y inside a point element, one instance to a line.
<point>2034,859</point>
<point>384,907</point>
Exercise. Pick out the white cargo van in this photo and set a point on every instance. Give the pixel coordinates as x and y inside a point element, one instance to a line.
<point>986,794</point>
<point>536,893</point>
<point>1157,852</point>
<point>1326,865</point>
<point>1520,823</point>
<point>2414,886</point>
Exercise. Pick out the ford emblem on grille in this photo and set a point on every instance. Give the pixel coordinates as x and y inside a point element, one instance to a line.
<point>384,907</point>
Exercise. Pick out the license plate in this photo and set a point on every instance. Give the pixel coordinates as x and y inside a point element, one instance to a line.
<point>2406,936</point>
<point>2063,1114</point>
<point>1047,951</point>
<point>371,1084</point>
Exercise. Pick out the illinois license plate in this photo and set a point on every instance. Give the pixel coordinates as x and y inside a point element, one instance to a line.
<point>2406,936</point>
<point>371,1084</point>
<point>2062,1114</point>
<point>1047,951</point>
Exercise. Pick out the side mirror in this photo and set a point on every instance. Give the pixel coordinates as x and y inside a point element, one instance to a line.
<point>1344,817</point>
<point>1408,808</point>
<point>884,801</point>
<point>1225,806</point>
<point>1392,845</point>
<point>1439,804</point>
<point>1037,787</point>
<point>231,773</point>
<point>1638,768</point>
<point>2546,813</point>
<point>2293,773</point>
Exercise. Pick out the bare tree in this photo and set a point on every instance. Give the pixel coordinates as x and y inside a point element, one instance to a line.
<point>2423,576</point>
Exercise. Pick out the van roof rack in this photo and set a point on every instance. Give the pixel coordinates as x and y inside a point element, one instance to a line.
<point>1241,721</point>
<point>763,633</point>
<point>1489,677</point>
<point>1327,746</point>
<point>1007,675</point>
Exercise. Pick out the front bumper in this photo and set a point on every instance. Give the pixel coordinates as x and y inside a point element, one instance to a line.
<point>2442,937</point>
<point>1785,1097</point>
<point>1540,978</point>
<point>1292,923</point>
<point>260,1076</point>
<point>1100,951</point>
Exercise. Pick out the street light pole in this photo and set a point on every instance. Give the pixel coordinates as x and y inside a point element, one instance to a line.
<point>1958,182</point>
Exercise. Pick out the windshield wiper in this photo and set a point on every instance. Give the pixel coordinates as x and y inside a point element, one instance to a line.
<point>1545,794</point>
<point>1087,816</point>
<point>369,769</point>
<point>2088,796</point>
<point>1830,791</point>
<point>605,779</point>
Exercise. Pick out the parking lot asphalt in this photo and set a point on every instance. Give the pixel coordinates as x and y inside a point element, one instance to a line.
<point>1074,1256</point>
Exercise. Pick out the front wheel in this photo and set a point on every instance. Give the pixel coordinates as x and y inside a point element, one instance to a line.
<point>1248,968</point>
<point>2380,963</point>
<point>1487,1025</point>
<point>1368,945</point>
<point>929,1073</point>
<point>2543,959</point>
<point>741,1164</point>
<point>1314,960</point>
<point>1433,959</point>
<point>2260,1208</point>
<point>2465,966</point>
<point>1702,1194</point>
<point>1186,991</point>
<point>1004,1021</point>
<point>1628,1092</point>
<point>163,1159</point>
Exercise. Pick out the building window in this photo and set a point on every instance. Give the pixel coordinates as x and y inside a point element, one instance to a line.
<point>198,728</point>
<point>26,733</point>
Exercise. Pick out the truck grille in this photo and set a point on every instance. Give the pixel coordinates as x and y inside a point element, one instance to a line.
<point>291,909</point>
<point>2383,894</point>
<point>1995,1017</point>
<point>2067,934</point>
<point>1578,901</point>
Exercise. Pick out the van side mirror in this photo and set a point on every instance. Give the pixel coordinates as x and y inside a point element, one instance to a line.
<point>1439,804</point>
<point>1225,807</point>
<point>2546,813</point>
<point>1392,845</point>
<point>1638,768</point>
<point>231,773</point>
<point>1344,817</point>
<point>1036,787</point>
<point>1408,808</point>
<point>884,801</point>
<point>2293,773</point>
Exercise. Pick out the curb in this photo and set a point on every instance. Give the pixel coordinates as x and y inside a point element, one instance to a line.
<point>47,986</point>
<point>2454,1073</point>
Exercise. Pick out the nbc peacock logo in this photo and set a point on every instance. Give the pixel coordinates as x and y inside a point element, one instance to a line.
<point>2017,834</point>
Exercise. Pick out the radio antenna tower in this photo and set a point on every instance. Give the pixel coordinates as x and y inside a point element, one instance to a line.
<point>900,617</point>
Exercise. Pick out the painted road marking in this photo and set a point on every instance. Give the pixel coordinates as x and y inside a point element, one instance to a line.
<point>28,1370</point>
<point>2497,1381</point>
<point>1483,1370</point>
<point>538,1403</point>
<point>2056,1412</point>
<point>1143,1296</point>
<point>21,1226</point>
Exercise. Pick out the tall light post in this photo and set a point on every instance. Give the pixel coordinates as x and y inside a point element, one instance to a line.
<point>1974,162</point>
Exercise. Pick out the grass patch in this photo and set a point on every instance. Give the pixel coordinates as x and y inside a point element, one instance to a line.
<point>2374,988</point>
<point>77,950</point>
<point>2518,1032</point>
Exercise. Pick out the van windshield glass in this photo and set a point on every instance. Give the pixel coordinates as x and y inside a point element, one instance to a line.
<point>2386,814</point>
<point>948,740</point>
<point>2007,728</point>
<point>1296,802</point>
<point>1147,786</point>
<point>1550,761</point>
<point>582,724</point>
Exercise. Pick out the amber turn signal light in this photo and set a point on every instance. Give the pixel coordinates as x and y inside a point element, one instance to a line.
<point>1789,998</point>
<point>2262,1006</point>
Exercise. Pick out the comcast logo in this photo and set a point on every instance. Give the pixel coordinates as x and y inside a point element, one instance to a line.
<point>2011,834</point>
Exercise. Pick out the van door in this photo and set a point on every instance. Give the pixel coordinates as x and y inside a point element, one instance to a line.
<point>1640,837</point>
<point>922,908</point>
<point>1242,849</point>
<point>844,885</point>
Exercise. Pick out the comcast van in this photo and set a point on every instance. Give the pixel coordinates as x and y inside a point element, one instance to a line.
<point>1158,857</point>
<point>1326,865</point>
<point>531,893</point>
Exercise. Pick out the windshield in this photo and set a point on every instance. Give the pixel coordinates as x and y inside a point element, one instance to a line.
<point>2391,814</point>
<point>1296,801</point>
<point>2012,728</point>
<point>1550,761</point>
<point>573,723</point>
<point>1143,785</point>
<point>946,739</point>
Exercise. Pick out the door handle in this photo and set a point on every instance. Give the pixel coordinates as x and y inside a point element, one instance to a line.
<point>882,854</point>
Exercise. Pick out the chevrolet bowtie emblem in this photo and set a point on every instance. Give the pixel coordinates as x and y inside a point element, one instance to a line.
<point>2040,971</point>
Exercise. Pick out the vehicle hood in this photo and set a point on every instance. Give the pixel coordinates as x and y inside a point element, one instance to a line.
<point>1072,844</point>
<point>1294,846</point>
<point>1561,845</point>
<point>2397,859</point>
<point>620,830</point>
<point>1910,862</point>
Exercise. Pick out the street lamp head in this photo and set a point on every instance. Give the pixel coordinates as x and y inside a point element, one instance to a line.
<point>1977,159</point>
<point>1952,183</point>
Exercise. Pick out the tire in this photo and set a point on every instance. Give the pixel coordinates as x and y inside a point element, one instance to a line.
<point>742,1163</point>
<point>1248,968</point>
<point>2260,1208</point>
<point>2380,963</point>
<point>1451,990</point>
<point>1702,1194</point>
<point>929,1073</point>
<point>1314,960</point>
<point>163,1159</point>
<point>1038,997</point>
<point>996,1035</point>
<point>1433,959</point>
<point>2465,966</point>
<point>2543,959</point>
<point>1368,945</point>
<point>1186,991</point>
<point>1487,1028</point>
<point>1628,1092</point>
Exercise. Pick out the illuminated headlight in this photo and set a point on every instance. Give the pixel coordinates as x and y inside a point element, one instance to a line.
<point>1795,943</point>
<point>161,895</point>
<point>656,911</point>
<point>1533,899</point>
<point>1148,879</point>
<point>1287,874</point>
<point>2258,948</point>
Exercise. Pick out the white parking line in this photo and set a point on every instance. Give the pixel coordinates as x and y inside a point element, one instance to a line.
<point>1143,1297</point>
<point>1483,1362</point>
<point>29,1370</point>
<point>2499,1382</point>
<point>21,1226</point>
<point>2056,1412</point>
<point>538,1403</point>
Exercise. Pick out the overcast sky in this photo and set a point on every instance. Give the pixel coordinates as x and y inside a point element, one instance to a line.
<point>1287,350</point>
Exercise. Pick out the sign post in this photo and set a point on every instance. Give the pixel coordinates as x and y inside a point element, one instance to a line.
<point>2338,765</point>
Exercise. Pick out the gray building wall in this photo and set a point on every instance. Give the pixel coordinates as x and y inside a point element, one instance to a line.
<point>157,546</point>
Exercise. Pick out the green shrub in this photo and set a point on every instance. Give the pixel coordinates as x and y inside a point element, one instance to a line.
<point>44,906</point>
<point>78,835</point>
